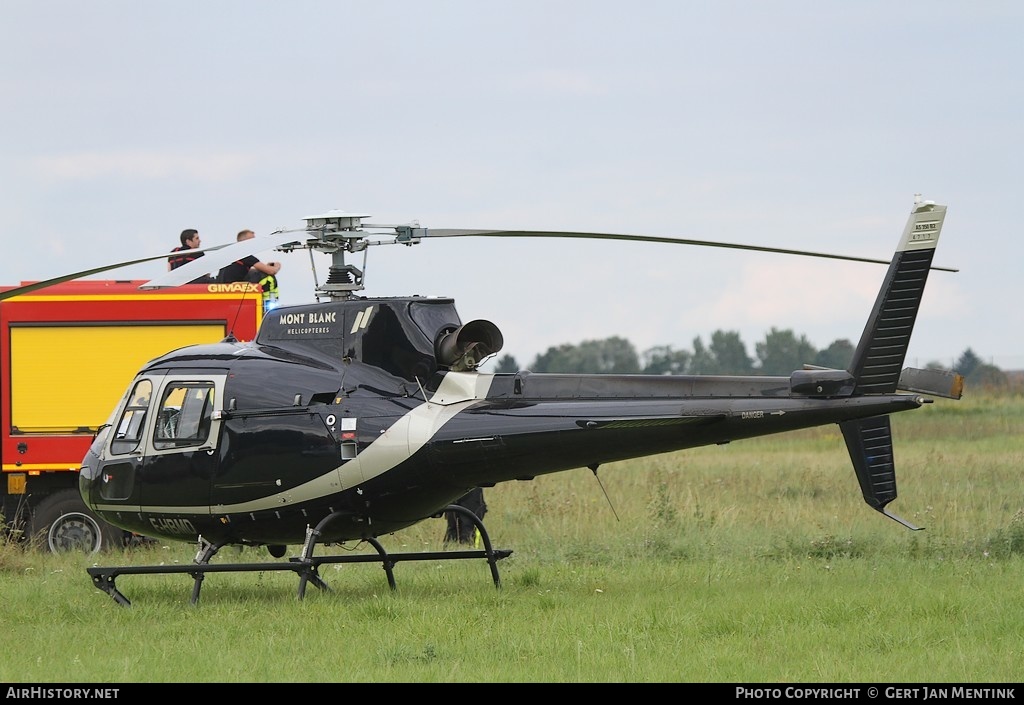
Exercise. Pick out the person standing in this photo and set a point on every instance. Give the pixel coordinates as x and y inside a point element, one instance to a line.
<point>461,529</point>
<point>184,253</point>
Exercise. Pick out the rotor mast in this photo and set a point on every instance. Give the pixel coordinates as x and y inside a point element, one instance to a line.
<point>337,232</point>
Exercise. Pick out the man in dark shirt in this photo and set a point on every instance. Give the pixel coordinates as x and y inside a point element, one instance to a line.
<point>248,268</point>
<point>183,255</point>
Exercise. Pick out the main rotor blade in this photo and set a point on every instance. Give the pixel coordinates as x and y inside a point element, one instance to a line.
<point>226,254</point>
<point>35,286</point>
<point>450,232</point>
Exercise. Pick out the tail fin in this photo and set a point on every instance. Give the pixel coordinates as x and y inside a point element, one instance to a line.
<point>878,361</point>
<point>879,357</point>
<point>870,444</point>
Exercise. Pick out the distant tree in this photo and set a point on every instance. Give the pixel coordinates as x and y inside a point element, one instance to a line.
<point>967,363</point>
<point>703,361</point>
<point>838,355</point>
<point>663,360</point>
<point>987,377</point>
<point>782,352</point>
<point>555,359</point>
<point>613,355</point>
<point>725,355</point>
<point>730,353</point>
<point>506,363</point>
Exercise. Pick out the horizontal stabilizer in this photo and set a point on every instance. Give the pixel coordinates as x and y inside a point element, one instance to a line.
<point>941,383</point>
<point>870,444</point>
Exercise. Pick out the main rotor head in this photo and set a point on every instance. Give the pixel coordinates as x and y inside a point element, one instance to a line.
<point>337,232</point>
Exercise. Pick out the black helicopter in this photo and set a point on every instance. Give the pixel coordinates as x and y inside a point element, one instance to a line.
<point>355,417</point>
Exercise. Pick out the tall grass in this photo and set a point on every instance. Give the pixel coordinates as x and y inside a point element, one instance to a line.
<point>753,562</point>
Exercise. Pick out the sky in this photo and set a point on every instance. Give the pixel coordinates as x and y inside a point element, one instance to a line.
<point>790,124</point>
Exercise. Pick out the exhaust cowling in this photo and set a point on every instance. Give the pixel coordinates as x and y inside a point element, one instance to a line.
<point>461,349</point>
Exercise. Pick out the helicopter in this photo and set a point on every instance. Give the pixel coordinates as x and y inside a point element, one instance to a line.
<point>355,417</point>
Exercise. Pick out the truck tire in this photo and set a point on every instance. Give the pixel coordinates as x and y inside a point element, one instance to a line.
<point>62,522</point>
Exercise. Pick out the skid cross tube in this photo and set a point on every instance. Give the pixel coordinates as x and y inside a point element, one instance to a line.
<point>306,566</point>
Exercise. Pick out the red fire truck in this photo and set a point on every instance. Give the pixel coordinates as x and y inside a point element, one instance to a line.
<point>67,354</point>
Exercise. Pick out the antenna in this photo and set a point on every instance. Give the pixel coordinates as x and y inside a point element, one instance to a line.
<point>593,469</point>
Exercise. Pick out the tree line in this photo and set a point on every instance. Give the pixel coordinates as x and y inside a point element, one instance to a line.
<point>725,353</point>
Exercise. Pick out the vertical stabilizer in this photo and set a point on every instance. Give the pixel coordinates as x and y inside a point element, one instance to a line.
<point>879,358</point>
<point>878,361</point>
<point>870,444</point>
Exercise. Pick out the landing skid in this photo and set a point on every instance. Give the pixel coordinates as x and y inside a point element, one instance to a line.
<point>306,565</point>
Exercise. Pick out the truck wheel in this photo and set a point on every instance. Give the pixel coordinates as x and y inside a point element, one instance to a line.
<point>64,523</point>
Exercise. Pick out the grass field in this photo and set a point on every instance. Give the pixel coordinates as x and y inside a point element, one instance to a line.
<point>756,562</point>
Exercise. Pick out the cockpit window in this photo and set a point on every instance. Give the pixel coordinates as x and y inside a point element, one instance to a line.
<point>129,428</point>
<point>185,415</point>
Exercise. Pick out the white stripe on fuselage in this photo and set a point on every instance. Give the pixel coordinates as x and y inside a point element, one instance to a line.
<point>458,390</point>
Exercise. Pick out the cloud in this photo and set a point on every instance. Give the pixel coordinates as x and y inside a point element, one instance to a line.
<point>149,165</point>
<point>793,288</point>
